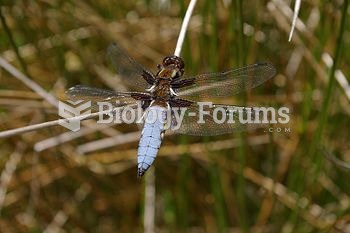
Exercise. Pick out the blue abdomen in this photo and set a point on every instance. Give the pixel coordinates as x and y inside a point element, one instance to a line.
<point>151,138</point>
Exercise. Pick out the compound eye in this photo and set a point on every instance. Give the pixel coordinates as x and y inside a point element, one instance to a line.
<point>167,61</point>
<point>174,60</point>
<point>180,63</point>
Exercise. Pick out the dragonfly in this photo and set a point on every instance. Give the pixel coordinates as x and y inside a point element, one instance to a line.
<point>169,89</point>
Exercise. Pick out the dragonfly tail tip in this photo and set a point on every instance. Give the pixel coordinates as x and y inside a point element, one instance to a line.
<point>140,173</point>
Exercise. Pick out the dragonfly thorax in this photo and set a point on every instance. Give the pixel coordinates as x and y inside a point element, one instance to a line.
<point>161,90</point>
<point>171,68</point>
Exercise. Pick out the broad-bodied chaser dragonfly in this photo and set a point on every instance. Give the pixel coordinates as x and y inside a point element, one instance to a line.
<point>169,89</point>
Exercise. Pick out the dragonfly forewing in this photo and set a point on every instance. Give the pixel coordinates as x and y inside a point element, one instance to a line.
<point>226,83</point>
<point>131,71</point>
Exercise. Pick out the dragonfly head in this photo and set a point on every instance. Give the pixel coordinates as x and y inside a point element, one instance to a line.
<point>171,67</point>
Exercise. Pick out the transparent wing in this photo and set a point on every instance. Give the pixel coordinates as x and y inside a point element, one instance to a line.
<point>226,83</point>
<point>95,95</point>
<point>131,71</point>
<point>212,121</point>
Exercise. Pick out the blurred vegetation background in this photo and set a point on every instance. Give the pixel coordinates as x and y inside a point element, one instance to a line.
<point>286,178</point>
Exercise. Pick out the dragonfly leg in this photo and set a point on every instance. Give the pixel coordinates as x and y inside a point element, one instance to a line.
<point>148,77</point>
